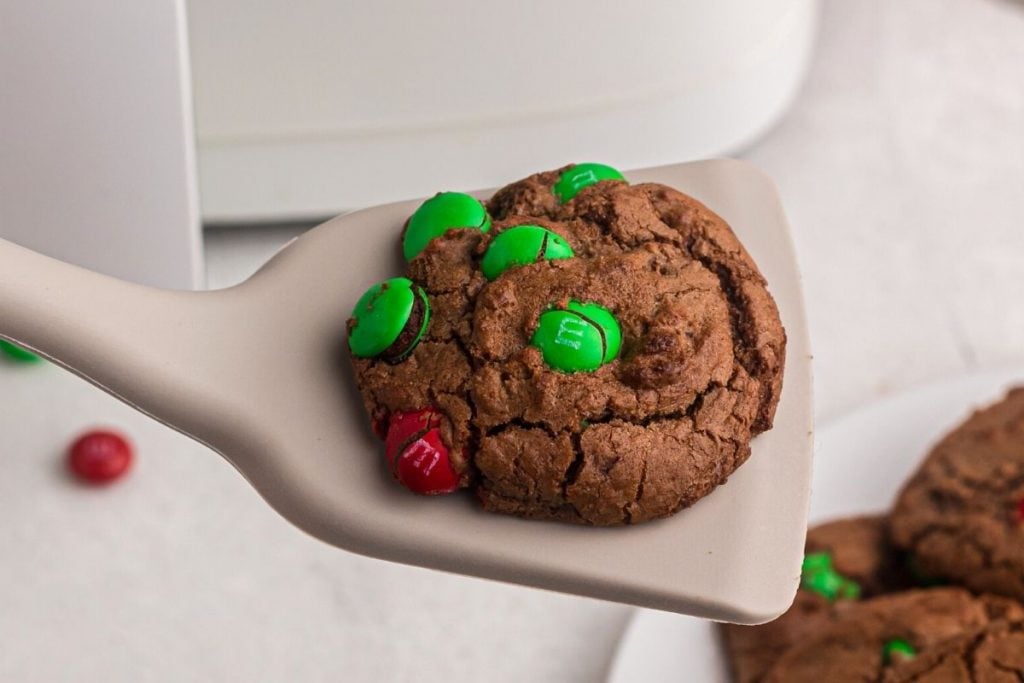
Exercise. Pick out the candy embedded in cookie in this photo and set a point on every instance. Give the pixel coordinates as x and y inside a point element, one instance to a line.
<point>856,549</point>
<point>417,457</point>
<point>897,651</point>
<point>602,355</point>
<point>819,576</point>
<point>520,246</point>
<point>580,338</point>
<point>994,652</point>
<point>854,648</point>
<point>389,320</point>
<point>439,214</point>
<point>580,176</point>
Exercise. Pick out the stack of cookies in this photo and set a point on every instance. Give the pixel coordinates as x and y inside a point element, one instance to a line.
<point>931,592</point>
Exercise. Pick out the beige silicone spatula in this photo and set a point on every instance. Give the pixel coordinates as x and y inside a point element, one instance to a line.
<point>259,373</point>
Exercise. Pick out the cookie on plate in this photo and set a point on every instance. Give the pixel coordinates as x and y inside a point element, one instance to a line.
<point>589,351</point>
<point>991,654</point>
<point>961,516</point>
<point>875,638</point>
<point>847,560</point>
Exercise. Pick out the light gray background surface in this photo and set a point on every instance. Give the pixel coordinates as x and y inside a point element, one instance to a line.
<point>902,170</point>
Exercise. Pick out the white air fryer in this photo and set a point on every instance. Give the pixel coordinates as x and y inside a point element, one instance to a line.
<point>97,159</point>
<point>307,109</point>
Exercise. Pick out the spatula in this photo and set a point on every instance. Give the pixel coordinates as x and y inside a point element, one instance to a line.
<point>258,373</point>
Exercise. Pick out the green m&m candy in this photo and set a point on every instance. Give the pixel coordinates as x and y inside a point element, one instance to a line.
<point>897,650</point>
<point>581,338</point>
<point>819,576</point>
<point>17,354</point>
<point>582,175</point>
<point>389,320</point>
<point>520,246</point>
<point>438,215</point>
<point>816,562</point>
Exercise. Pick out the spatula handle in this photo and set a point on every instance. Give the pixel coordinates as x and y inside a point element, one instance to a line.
<point>141,344</point>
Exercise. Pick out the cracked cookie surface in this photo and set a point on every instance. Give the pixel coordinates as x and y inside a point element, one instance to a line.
<point>698,376</point>
<point>860,551</point>
<point>961,515</point>
<point>991,654</point>
<point>854,648</point>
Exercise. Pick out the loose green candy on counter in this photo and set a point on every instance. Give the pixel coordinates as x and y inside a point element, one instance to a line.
<point>582,175</point>
<point>897,650</point>
<point>438,215</point>
<point>581,338</point>
<point>520,246</point>
<point>390,319</point>
<point>18,354</point>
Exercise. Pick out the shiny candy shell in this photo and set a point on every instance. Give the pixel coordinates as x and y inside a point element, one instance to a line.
<point>424,467</point>
<point>438,215</point>
<point>580,338</point>
<point>520,246</point>
<point>404,426</point>
<point>100,456</point>
<point>580,176</point>
<point>389,320</point>
<point>416,454</point>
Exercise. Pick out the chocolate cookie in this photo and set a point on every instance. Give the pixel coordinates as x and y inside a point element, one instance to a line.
<point>862,564</point>
<point>991,654</point>
<point>877,637</point>
<point>961,515</point>
<point>596,352</point>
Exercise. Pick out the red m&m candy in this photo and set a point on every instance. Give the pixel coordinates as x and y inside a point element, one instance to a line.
<point>99,456</point>
<point>417,456</point>
<point>424,467</point>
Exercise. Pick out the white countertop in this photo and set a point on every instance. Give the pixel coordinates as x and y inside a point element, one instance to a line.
<point>902,169</point>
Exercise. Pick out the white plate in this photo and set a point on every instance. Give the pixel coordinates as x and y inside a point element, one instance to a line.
<point>861,462</point>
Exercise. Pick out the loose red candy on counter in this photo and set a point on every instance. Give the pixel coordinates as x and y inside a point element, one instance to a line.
<point>100,457</point>
<point>416,454</point>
